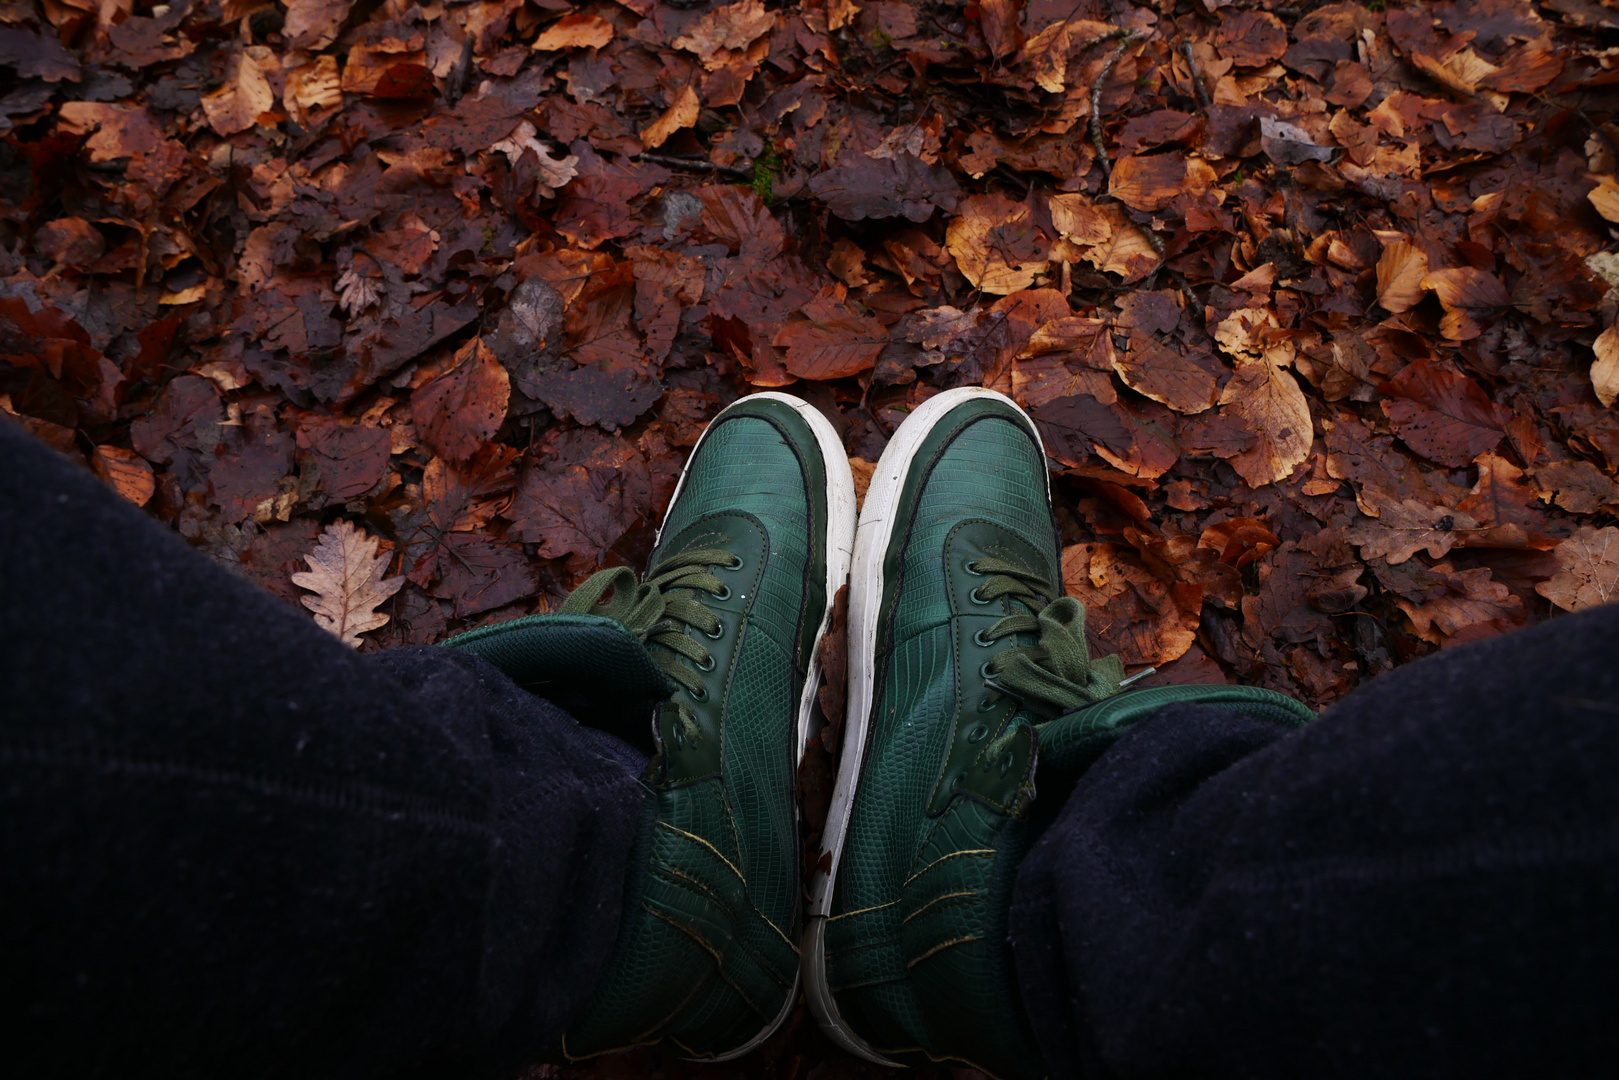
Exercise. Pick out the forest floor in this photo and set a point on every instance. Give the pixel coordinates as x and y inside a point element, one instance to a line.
<point>1310,301</point>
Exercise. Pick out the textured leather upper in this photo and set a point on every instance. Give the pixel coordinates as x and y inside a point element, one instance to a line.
<point>707,951</point>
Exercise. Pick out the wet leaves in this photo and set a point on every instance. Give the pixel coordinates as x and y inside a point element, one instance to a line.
<point>1312,308</point>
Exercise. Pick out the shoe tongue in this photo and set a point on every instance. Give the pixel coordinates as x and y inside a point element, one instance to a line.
<point>723,529</point>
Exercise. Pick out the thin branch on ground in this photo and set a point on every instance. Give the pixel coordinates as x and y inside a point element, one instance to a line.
<point>1126,39</point>
<point>694,164</point>
<point>1203,99</point>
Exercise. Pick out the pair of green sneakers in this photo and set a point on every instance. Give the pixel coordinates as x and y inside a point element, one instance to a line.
<point>968,673</point>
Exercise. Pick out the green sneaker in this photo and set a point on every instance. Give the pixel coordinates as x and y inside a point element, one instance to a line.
<point>967,666</point>
<point>724,626</point>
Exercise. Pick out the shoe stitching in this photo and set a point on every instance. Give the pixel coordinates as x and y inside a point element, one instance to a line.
<point>941,899</point>
<point>942,946</point>
<point>978,852</point>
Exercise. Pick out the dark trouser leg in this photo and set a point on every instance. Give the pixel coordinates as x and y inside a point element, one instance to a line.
<point>229,846</point>
<point>1423,882</point>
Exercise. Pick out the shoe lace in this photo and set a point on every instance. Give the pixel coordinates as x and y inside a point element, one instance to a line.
<point>658,612</point>
<point>1056,675</point>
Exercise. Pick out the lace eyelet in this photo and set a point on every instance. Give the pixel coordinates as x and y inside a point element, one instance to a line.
<point>726,595</point>
<point>978,733</point>
<point>983,671</point>
<point>735,563</point>
<point>709,666</point>
<point>975,598</point>
<point>699,694</point>
<point>971,566</point>
<point>981,641</point>
<point>719,632</point>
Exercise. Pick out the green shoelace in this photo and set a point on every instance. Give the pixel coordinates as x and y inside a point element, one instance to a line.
<point>1056,675</point>
<point>659,610</point>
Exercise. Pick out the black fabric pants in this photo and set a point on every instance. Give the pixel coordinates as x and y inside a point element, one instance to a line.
<point>229,846</point>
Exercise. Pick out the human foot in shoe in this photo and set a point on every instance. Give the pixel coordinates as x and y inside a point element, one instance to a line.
<point>966,665</point>
<point>724,625</point>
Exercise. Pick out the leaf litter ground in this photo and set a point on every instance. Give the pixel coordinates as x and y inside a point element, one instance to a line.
<point>425,303</point>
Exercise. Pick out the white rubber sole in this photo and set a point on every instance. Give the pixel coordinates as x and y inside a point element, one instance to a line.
<point>876,529</point>
<point>840,543</point>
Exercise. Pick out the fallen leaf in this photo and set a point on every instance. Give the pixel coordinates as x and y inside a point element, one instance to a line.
<point>1443,416</point>
<point>1605,197</point>
<point>1468,294</point>
<point>241,98</point>
<point>1605,372</point>
<point>681,114</point>
<point>1463,601</point>
<point>734,26</point>
<point>1589,570</point>
<point>314,24</point>
<point>1403,528</point>
<point>1267,399</point>
<point>126,471</point>
<point>463,408</point>
<point>1127,609</point>
<point>1186,381</point>
<point>1400,272</point>
<point>829,341</point>
<point>575,32</point>
<point>1577,486</point>
<point>1289,144</point>
<point>346,575</point>
<point>996,244</point>
<point>900,185</point>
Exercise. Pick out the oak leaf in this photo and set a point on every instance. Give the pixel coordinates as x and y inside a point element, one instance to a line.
<point>346,575</point>
<point>1403,528</point>
<point>1588,572</point>
<point>735,26</point>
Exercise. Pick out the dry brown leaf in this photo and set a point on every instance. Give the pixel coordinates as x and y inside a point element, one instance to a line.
<point>312,89</point>
<point>996,244</point>
<point>1400,271</point>
<point>1151,182</point>
<point>127,472</point>
<point>830,341</point>
<point>1077,220</point>
<point>314,24</point>
<point>1605,197</point>
<point>1267,398</point>
<point>1588,572</point>
<point>346,575</point>
<point>735,26</point>
<point>1471,597</point>
<point>244,95</point>
<point>1605,372</point>
<point>1128,609</point>
<point>1578,486</point>
<point>681,114</point>
<point>575,32</point>
<point>1403,528</point>
<point>1184,381</point>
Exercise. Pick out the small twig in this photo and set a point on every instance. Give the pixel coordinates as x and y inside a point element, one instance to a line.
<point>1126,38</point>
<point>694,164</point>
<point>1202,91</point>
